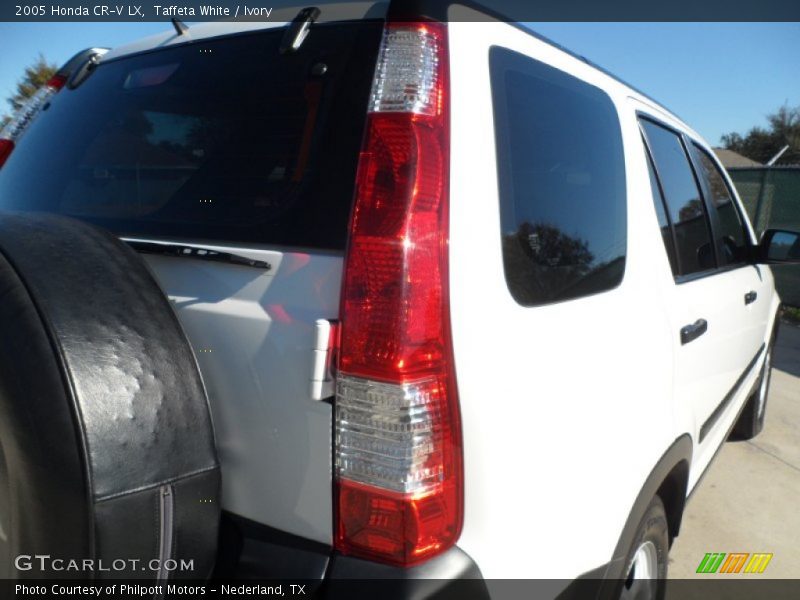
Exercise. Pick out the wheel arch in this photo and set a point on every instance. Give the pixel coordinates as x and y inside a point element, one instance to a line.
<point>672,492</point>
<point>668,479</point>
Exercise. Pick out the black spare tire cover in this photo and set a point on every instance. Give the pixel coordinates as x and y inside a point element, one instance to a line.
<point>106,443</point>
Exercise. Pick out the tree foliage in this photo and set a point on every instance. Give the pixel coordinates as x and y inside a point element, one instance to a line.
<point>34,77</point>
<point>762,144</point>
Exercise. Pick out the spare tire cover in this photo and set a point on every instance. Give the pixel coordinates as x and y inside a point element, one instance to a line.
<point>107,459</point>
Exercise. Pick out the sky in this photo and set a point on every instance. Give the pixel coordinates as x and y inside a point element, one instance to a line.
<point>718,77</point>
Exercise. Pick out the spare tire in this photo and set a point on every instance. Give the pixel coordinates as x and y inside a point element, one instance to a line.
<point>107,459</point>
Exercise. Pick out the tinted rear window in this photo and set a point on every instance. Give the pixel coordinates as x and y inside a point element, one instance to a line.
<point>223,140</point>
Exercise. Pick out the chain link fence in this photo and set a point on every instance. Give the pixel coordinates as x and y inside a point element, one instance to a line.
<point>771,197</point>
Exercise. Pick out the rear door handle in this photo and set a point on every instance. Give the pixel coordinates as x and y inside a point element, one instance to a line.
<point>750,297</point>
<point>693,331</point>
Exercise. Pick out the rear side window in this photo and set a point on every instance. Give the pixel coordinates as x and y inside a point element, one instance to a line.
<point>684,202</point>
<point>561,180</point>
<point>733,240</point>
<point>223,139</point>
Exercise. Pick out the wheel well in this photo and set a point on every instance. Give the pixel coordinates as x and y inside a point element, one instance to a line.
<point>668,480</point>
<point>672,492</point>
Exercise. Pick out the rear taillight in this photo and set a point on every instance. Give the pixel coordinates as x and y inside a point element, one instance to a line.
<point>6,146</point>
<point>10,134</point>
<point>399,482</point>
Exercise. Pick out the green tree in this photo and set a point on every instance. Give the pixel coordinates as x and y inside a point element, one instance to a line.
<point>762,144</point>
<point>34,77</point>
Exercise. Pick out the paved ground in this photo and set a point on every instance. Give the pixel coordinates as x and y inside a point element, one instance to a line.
<point>749,501</point>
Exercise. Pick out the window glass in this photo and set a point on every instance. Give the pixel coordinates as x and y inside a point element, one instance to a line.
<point>684,202</point>
<point>561,181</point>
<point>663,219</point>
<point>731,230</point>
<point>224,139</point>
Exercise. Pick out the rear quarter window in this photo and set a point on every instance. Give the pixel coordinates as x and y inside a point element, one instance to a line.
<point>561,179</point>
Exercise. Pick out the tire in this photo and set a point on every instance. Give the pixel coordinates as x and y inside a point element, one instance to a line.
<point>751,420</point>
<point>106,442</point>
<point>646,562</point>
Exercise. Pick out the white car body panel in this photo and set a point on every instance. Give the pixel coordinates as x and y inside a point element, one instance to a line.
<point>582,390</point>
<point>556,379</point>
<point>566,408</point>
<point>253,332</point>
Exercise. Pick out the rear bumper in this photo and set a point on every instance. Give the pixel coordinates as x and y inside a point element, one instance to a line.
<point>450,575</point>
<point>250,551</point>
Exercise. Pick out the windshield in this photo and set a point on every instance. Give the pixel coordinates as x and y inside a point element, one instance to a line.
<point>223,139</point>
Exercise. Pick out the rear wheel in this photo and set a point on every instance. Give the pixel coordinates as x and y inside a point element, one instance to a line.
<point>751,421</point>
<point>646,571</point>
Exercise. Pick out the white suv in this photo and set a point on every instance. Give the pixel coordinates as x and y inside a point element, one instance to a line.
<point>457,298</point>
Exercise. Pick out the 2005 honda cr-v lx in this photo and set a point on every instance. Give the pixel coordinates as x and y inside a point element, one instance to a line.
<point>413,294</point>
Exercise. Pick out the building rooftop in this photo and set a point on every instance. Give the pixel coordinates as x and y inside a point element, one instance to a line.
<point>729,159</point>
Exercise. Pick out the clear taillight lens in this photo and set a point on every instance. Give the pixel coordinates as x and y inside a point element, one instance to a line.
<point>408,75</point>
<point>390,435</point>
<point>398,435</point>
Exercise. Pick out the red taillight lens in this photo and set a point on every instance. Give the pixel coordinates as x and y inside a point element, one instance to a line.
<point>395,267</point>
<point>398,436</point>
<point>56,81</point>
<point>6,146</point>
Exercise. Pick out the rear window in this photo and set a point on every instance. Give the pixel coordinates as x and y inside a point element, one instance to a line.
<point>561,176</point>
<point>222,140</point>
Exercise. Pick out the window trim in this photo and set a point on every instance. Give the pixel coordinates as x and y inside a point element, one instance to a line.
<point>662,199</point>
